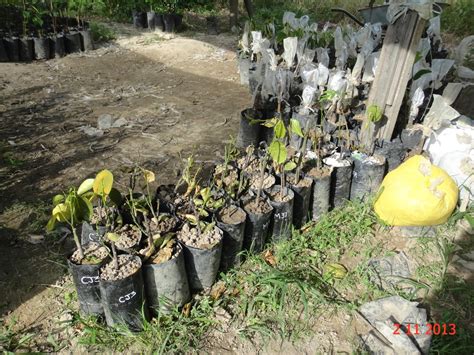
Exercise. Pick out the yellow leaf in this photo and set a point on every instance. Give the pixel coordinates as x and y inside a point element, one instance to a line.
<point>148,175</point>
<point>62,212</point>
<point>103,183</point>
<point>335,270</point>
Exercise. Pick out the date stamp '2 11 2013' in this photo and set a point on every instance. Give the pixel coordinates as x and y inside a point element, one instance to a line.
<point>429,329</point>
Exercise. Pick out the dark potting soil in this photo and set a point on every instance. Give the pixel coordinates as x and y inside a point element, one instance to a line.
<point>268,181</point>
<point>291,179</point>
<point>276,195</point>
<point>94,254</point>
<point>231,215</point>
<point>98,215</point>
<point>164,224</point>
<point>130,237</point>
<point>127,265</point>
<point>317,173</point>
<point>207,240</point>
<point>261,208</point>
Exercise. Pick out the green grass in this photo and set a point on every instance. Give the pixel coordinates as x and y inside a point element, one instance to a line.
<point>458,18</point>
<point>11,340</point>
<point>282,292</point>
<point>102,33</point>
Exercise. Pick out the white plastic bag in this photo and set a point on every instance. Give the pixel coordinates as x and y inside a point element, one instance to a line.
<point>307,97</point>
<point>341,49</point>
<point>323,56</point>
<point>416,102</point>
<point>289,44</point>
<point>370,66</point>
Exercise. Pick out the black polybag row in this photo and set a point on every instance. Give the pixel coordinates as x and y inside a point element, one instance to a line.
<point>26,49</point>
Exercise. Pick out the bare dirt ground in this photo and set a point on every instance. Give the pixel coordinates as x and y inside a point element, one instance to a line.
<point>175,95</point>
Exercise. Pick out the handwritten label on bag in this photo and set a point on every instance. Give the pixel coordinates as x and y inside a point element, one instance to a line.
<point>89,280</point>
<point>281,215</point>
<point>127,297</point>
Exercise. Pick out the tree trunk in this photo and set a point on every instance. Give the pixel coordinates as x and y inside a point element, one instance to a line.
<point>249,7</point>
<point>234,12</point>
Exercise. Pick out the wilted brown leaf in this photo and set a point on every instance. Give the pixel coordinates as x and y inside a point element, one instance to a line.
<point>270,258</point>
<point>186,309</point>
<point>218,290</point>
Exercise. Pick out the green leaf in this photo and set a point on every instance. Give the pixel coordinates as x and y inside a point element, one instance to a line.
<point>374,113</point>
<point>420,73</point>
<point>335,270</point>
<point>290,166</point>
<point>113,237</point>
<point>84,208</point>
<point>470,219</point>
<point>51,224</point>
<point>296,127</point>
<point>85,186</point>
<point>116,197</point>
<point>103,183</point>
<point>279,129</point>
<point>277,151</point>
<point>58,199</point>
<point>191,218</point>
<point>417,56</point>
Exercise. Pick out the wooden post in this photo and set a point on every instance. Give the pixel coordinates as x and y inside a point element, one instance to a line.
<point>393,72</point>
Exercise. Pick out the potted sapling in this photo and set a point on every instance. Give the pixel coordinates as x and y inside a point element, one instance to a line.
<point>166,283</point>
<point>202,242</point>
<point>72,208</point>
<point>259,212</point>
<point>57,41</point>
<point>230,218</point>
<point>281,196</point>
<point>301,185</point>
<point>121,282</point>
<point>369,168</point>
<point>315,169</point>
<point>41,43</point>
<point>27,51</point>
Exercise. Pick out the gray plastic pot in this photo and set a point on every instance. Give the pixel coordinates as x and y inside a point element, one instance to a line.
<point>202,266</point>
<point>3,51</point>
<point>87,44</point>
<point>233,240</point>
<point>256,228</point>
<point>73,42</point>
<point>86,281</point>
<point>90,233</point>
<point>27,51</point>
<point>57,46</point>
<point>367,175</point>
<point>166,284</point>
<point>249,133</point>
<point>320,195</point>
<point>302,200</point>
<point>124,300</point>
<point>282,218</point>
<point>341,181</point>
<point>41,48</point>
<point>12,46</point>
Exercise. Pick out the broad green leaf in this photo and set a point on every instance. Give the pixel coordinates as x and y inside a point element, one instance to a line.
<point>85,186</point>
<point>113,237</point>
<point>58,199</point>
<point>116,197</point>
<point>51,223</point>
<point>374,113</point>
<point>290,166</point>
<point>205,193</point>
<point>420,73</point>
<point>296,127</point>
<point>277,151</point>
<point>279,129</point>
<point>270,123</point>
<point>62,212</point>
<point>84,208</point>
<point>103,183</point>
<point>148,175</point>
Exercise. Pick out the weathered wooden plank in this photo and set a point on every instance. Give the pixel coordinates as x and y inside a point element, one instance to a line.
<point>392,75</point>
